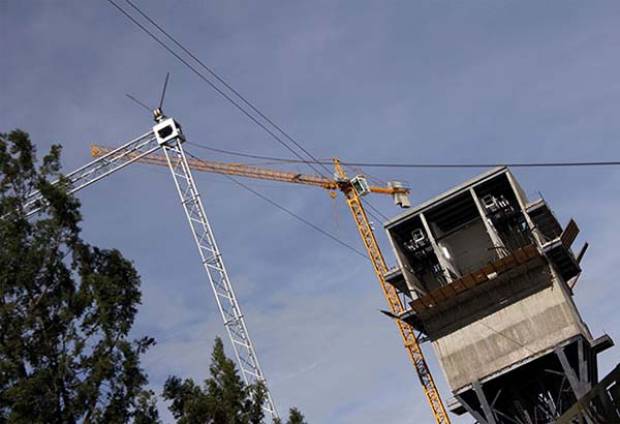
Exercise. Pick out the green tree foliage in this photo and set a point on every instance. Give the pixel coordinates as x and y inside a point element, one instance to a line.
<point>295,417</point>
<point>223,398</point>
<point>66,307</point>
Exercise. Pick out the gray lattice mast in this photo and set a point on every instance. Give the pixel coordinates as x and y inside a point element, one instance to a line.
<point>168,136</point>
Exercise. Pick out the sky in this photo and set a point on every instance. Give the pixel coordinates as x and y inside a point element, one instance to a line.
<point>391,81</point>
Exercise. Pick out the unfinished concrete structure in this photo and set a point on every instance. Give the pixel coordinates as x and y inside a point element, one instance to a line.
<point>488,277</point>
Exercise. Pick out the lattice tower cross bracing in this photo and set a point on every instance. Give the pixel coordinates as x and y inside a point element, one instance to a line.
<point>168,137</point>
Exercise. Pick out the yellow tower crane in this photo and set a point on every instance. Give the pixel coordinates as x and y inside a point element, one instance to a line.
<point>353,189</point>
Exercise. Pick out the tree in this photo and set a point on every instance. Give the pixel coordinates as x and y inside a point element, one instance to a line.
<point>295,417</point>
<point>223,399</point>
<point>66,308</point>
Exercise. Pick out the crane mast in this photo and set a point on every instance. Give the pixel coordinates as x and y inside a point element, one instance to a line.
<point>167,136</point>
<point>213,264</point>
<point>352,189</point>
<point>391,296</point>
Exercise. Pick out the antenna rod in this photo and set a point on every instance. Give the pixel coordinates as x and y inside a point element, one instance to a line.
<point>163,91</point>
<point>158,114</point>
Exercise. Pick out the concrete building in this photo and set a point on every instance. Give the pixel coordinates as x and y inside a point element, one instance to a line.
<point>488,279</point>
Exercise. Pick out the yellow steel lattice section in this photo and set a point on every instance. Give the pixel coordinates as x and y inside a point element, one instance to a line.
<point>248,171</point>
<point>394,302</point>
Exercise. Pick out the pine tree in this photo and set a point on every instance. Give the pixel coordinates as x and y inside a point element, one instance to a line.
<point>223,399</point>
<point>295,417</point>
<point>66,308</point>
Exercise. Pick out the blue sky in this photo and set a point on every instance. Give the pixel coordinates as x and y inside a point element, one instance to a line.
<point>423,81</point>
